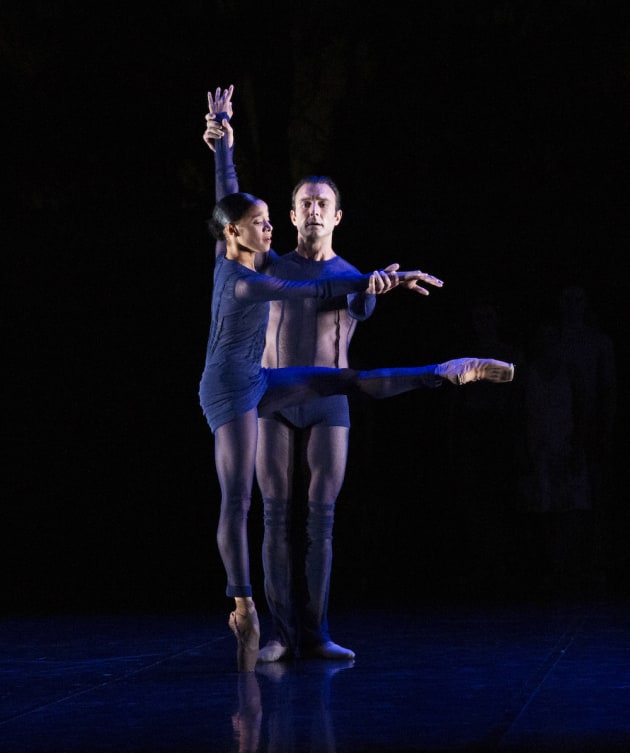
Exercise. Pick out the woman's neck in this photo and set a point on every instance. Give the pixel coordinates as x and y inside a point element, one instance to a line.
<point>242,255</point>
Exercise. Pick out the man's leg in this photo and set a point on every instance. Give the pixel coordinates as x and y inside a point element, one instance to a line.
<point>326,454</point>
<point>274,473</point>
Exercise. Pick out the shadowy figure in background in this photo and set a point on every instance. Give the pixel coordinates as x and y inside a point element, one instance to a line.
<point>567,473</point>
<point>556,488</point>
<point>589,354</point>
<point>482,458</point>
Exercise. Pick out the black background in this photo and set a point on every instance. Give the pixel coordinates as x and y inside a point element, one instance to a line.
<point>485,142</point>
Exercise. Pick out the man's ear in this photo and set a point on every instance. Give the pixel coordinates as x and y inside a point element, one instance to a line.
<point>293,217</point>
<point>338,216</point>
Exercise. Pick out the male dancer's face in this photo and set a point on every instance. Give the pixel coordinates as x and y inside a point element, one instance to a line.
<point>315,215</point>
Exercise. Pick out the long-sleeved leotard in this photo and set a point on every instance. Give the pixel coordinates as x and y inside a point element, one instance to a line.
<point>233,380</point>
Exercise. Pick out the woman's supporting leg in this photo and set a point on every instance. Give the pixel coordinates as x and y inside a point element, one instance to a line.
<point>235,453</point>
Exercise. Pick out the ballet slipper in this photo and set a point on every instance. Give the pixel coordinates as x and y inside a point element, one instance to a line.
<point>465,370</point>
<point>247,631</point>
<point>273,651</point>
<point>327,650</point>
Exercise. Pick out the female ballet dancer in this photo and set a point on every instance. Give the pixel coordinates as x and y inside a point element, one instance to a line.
<point>235,388</point>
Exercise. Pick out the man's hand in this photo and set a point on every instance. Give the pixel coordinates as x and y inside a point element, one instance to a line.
<point>220,103</point>
<point>214,130</point>
<point>384,280</point>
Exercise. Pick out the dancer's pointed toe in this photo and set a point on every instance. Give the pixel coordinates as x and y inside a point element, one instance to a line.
<point>246,628</point>
<point>464,370</point>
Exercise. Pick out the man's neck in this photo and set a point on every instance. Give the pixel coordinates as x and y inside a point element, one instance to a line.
<point>316,251</point>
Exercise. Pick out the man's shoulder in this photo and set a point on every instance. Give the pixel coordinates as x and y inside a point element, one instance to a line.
<point>336,262</point>
<point>344,263</point>
<point>292,265</point>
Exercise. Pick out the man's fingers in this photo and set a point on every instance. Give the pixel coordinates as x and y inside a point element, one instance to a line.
<point>392,267</point>
<point>382,281</point>
<point>389,280</point>
<point>371,288</point>
<point>377,281</point>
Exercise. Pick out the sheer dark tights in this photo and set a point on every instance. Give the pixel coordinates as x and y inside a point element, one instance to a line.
<point>235,455</point>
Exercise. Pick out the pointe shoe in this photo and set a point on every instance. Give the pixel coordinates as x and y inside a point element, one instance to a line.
<point>465,370</point>
<point>247,631</point>
<point>327,650</point>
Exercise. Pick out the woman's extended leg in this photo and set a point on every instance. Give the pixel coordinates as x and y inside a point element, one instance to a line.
<point>291,385</point>
<point>235,454</point>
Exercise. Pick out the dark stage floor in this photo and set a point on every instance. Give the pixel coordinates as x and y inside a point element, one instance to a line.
<point>547,675</point>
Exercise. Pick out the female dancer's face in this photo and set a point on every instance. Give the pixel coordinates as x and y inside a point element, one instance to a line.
<point>253,231</point>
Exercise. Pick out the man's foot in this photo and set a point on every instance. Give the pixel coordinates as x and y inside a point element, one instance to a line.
<point>245,627</point>
<point>327,650</point>
<point>464,370</point>
<point>273,651</point>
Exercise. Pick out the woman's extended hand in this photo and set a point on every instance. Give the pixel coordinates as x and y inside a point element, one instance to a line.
<point>384,280</point>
